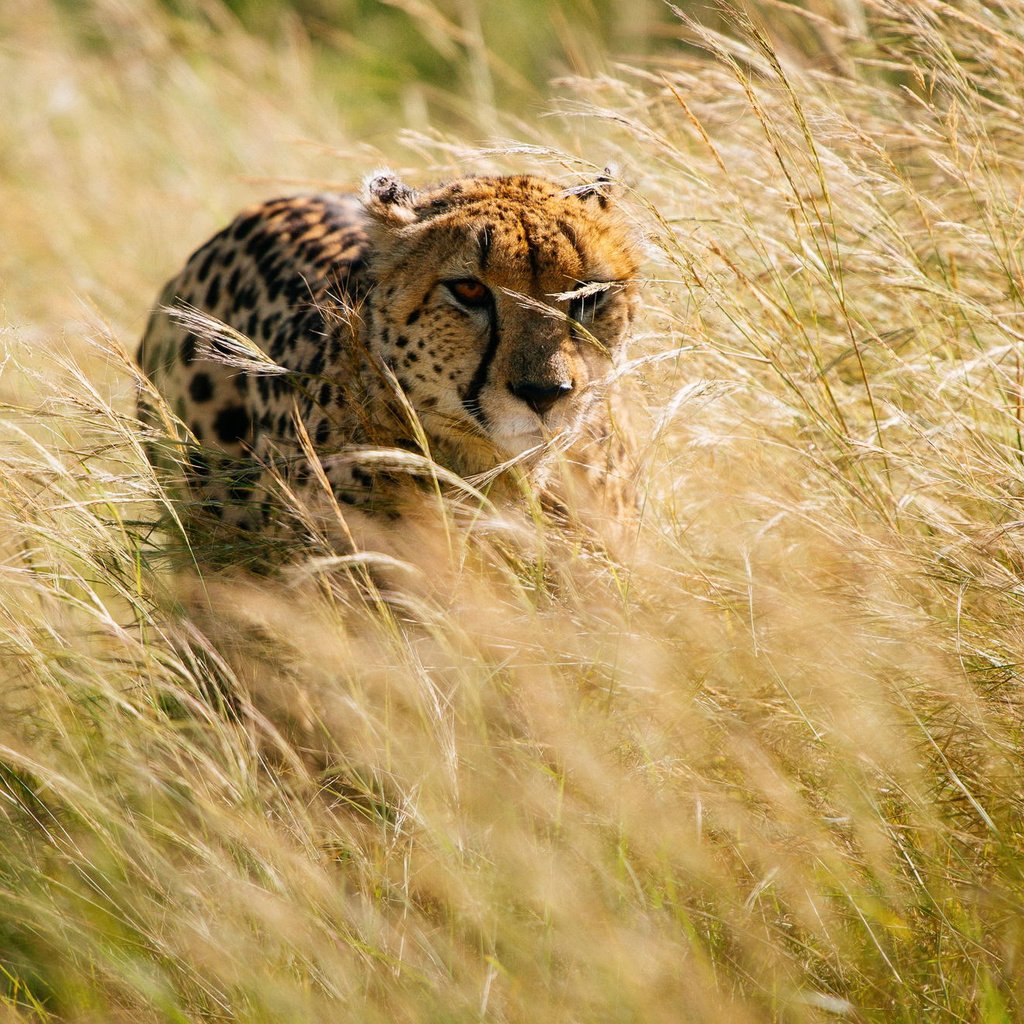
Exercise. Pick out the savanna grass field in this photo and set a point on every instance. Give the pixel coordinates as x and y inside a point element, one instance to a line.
<point>762,763</point>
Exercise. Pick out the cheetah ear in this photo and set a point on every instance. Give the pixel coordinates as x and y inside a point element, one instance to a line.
<point>388,200</point>
<point>603,188</point>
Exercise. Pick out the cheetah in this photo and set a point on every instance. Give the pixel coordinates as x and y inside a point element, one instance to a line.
<point>477,323</point>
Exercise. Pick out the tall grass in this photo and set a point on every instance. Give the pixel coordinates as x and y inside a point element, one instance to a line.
<point>767,768</point>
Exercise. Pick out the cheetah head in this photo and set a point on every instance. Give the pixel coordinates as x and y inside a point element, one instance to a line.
<point>502,305</point>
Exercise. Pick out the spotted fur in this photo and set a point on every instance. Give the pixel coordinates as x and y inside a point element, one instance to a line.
<point>473,320</point>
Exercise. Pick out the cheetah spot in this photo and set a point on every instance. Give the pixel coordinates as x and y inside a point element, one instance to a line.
<point>232,424</point>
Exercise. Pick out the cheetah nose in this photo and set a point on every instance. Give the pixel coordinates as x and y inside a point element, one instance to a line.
<point>540,397</point>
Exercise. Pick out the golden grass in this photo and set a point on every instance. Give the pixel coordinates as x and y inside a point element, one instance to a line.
<point>768,769</point>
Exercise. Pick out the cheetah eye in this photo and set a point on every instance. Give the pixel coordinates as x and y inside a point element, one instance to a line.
<point>586,307</point>
<point>470,292</point>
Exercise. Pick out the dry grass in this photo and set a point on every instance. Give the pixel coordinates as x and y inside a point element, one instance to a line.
<point>770,769</point>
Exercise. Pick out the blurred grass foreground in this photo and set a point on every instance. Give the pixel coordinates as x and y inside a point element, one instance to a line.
<point>768,768</point>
